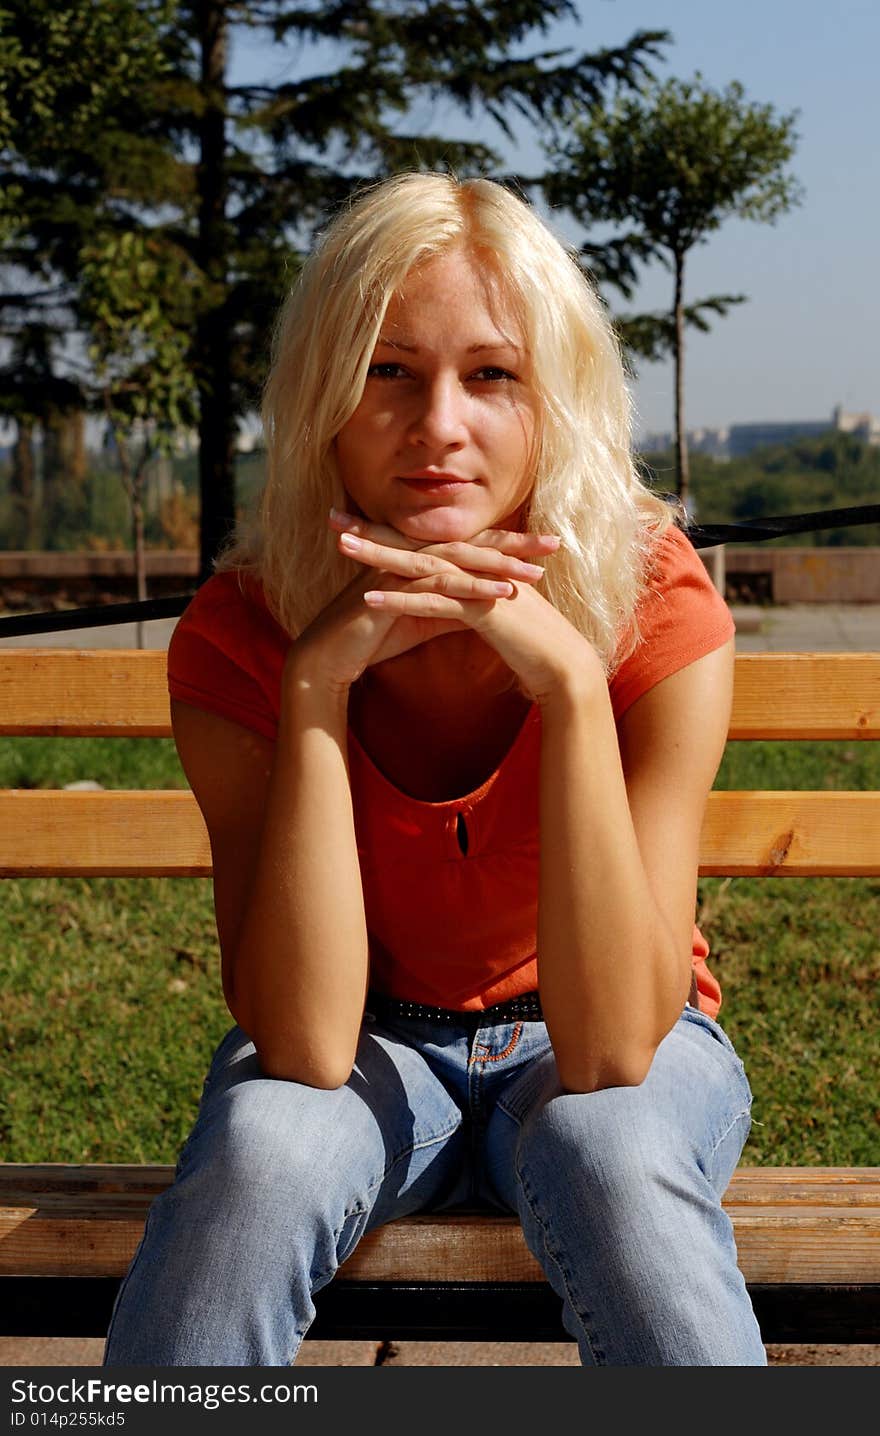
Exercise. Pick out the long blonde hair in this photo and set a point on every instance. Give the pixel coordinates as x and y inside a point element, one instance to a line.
<point>586,488</point>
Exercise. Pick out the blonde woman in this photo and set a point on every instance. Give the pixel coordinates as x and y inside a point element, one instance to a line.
<point>451,711</point>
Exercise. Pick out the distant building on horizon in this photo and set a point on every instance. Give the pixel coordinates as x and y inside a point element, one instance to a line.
<point>738,439</point>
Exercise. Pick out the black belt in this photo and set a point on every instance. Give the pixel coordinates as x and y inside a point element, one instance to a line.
<point>525,1008</point>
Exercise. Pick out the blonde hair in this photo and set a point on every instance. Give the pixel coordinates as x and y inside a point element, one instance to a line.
<point>586,488</point>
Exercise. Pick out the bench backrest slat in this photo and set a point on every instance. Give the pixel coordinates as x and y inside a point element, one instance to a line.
<point>83,693</point>
<point>120,834</point>
<point>124,694</point>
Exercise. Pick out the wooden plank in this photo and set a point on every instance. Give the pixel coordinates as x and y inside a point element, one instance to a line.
<point>806,695</point>
<point>86,693</point>
<point>806,1226</point>
<point>791,834</point>
<point>44,833</point>
<point>123,693</point>
<point>114,834</point>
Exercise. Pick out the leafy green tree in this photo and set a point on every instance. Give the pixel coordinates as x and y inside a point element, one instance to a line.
<point>835,470</point>
<point>139,348</point>
<point>80,152</point>
<point>275,158</point>
<point>671,163</point>
<point>238,176</point>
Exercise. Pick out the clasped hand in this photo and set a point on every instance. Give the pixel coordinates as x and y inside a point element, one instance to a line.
<point>485,584</point>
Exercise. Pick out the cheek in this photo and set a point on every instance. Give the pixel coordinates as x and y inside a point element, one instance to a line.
<point>519,440</point>
<point>350,446</point>
<point>357,440</point>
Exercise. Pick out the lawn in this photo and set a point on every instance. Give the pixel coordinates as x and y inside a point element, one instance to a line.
<point>112,1002</point>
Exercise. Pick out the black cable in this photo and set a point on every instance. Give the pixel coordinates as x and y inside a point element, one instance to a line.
<point>101,617</point>
<point>700,535</point>
<point>705,535</point>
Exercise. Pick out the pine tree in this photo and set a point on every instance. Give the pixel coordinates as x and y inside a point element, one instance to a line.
<point>235,178</point>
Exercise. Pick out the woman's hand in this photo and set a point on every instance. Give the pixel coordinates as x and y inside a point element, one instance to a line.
<point>435,583</point>
<point>350,635</point>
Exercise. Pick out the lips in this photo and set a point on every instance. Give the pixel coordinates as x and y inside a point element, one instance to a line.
<point>431,481</point>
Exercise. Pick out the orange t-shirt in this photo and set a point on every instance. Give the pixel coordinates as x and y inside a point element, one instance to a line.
<point>448,927</point>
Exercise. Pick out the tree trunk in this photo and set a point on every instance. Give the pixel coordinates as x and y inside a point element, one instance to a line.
<point>213,332</point>
<point>22,484</point>
<point>682,467</point>
<point>65,499</point>
<point>140,554</point>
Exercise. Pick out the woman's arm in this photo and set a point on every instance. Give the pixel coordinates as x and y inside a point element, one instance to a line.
<point>287,886</point>
<point>287,883</point>
<point>621,814</point>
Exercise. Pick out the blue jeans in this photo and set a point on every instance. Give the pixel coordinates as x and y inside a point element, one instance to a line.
<point>618,1192</point>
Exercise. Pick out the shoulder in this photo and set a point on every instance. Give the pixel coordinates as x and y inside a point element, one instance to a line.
<point>227,652</point>
<point>681,617</point>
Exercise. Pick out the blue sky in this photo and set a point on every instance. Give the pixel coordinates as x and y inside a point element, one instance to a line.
<point>809,337</point>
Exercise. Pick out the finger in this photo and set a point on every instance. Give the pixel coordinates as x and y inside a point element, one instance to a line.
<point>451,583</point>
<point>403,603</point>
<point>514,542</point>
<point>505,540</point>
<point>438,559</point>
<point>419,600</point>
<point>488,558</point>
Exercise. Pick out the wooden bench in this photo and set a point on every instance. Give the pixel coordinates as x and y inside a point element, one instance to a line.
<point>808,1238</point>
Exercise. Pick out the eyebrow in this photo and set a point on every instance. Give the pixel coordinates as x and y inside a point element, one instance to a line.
<point>478,348</point>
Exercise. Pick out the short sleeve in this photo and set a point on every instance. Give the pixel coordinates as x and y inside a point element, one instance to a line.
<point>681,618</point>
<point>227,653</point>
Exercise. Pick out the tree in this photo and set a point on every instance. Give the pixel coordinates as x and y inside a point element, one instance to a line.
<point>239,176</point>
<point>671,163</point>
<point>81,154</point>
<point>139,348</point>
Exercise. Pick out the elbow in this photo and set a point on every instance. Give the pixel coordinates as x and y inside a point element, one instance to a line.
<point>623,1070</point>
<point>283,1059</point>
<point>311,1066</point>
<point>308,1071</point>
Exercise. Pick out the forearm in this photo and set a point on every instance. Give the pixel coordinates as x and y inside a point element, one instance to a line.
<point>611,977</point>
<point>301,958</point>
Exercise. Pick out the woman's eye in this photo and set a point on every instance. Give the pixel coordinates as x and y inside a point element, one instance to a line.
<point>492,374</point>
<point>385,371</point>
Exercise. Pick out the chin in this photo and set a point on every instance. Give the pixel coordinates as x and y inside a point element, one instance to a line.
<point>441,525</point>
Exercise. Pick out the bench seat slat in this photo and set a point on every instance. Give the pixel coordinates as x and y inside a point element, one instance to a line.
<point>124,693</point>
<point>821,1227</point>
<point>44,833</point>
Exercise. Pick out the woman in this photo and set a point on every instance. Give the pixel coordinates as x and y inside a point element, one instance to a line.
<point>452,745</point>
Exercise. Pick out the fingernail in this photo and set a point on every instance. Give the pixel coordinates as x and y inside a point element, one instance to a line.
<point>339,516</point>
<point>504,589</point>
<point>550,540</point>
<point>374,597</point>
<point>349,541</point>
<point>534,570</point>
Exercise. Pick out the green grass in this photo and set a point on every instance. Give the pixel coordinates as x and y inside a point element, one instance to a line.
<point>112,1003</point>
<point>112,762</point>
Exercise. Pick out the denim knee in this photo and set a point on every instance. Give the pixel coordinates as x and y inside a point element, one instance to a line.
<point>600,1143</point>
<point>271,1151</point>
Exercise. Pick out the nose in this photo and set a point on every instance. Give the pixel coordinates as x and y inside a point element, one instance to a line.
<point>439,413</point>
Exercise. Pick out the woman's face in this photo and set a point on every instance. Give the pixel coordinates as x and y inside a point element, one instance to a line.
<point>441,444</point>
